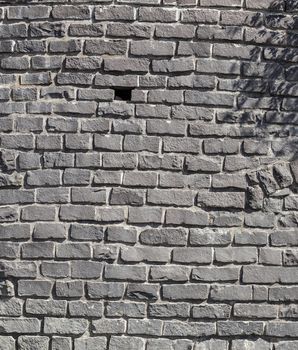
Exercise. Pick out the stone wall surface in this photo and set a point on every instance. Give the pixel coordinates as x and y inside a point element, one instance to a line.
<point>148,184</point>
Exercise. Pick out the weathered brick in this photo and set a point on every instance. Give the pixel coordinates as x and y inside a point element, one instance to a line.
<point>75,326</point>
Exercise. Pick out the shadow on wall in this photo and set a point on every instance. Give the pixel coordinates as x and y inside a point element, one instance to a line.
<point>269,77</point>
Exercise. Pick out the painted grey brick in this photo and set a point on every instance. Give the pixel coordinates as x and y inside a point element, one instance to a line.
<point>148,174</point>
<point>65,326</point>
<point>71,289</point>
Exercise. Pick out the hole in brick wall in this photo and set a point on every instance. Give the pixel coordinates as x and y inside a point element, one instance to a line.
<point>123,94</point>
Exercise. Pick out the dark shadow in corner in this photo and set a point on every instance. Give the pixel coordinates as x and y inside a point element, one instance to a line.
<point>272,83</point>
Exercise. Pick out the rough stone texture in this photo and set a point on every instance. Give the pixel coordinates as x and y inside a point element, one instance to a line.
<point>148,174</point>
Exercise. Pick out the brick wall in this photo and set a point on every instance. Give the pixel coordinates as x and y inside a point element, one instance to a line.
<point>148,175</point>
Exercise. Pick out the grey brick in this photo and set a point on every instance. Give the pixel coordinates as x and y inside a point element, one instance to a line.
<point>201,164</point>
<point>228,293</point>
<point>152,48</point>
<point>165,96</point>
<point>28,46</point>
<point>11,307</point>
<point>145,254</point>
<point>61,343</point>
<point>133,343</point>
<point>46,62</point>
<point>178,31</point>
<point>71,12</point>
<point>107,177</point>
<point>251,238</point>
<point>119,234</point>
<point>100,126</point>
<point>47,231</point>
<point>86,232</point>
<point>73,326</point>
<point>127,127</point>
<point>279,329</point>
<point>16,196</point>
<point>85,309</point>
<point>221,200</point>
<point>81,29</point>
<point>124,309</point>
<point>31,288</point>
<point>76,177</point>
<point>93,94</point>
<point>114,13</point>
<point>20,326</point>
<point>111,215</point>
<point>110,290</point>
<point>119,161</point>
<point>130,273</point>
<point>36,79</point>
<point>255,311</point>
<point>259,220</point>
<point>9,250</point>
<point>236,51</point>
<point>138,291</point>
<point>212,344</point>
<point>41,213</point>
<point>164,236</point>
<point>129,30</point>
<point>99,343</point>
<point>169,273</point>
<point>270,256</point>
<point>140,179</point>
<point>22,141</point>
<point>179,145</point>
<point>43,250</point>
<point>43,178</point>
<point>88,195</point>
<point>177,310</point>
<point>264,5</point>
<point>69,46</point>
<point>15,232</point>
<point>151,111</point>
<point>220,274</point>
<point>144,327</point>
<point>26,94</point>
<point>170,66</point>
<point>6,289</point>
<point>13,30</point>
<point>36,342</point>
<point>107,253</point>
<point>47,29</point>
<point>117,109</point>
<point>101,47</point>
<point>108,326</point>
<point>186,217</point>
<point>126,64</point>
<point>71,289</point>
<point>7,343</point>
<point>177,292</point>
<point>240,328</point>
<point>73,251</point>
<point>180,329</point>
<point>217,311</point>
<point>48,143</point>
<point>8,214</point>
<point>239,255</point>
<point>52,195</point>
<point>144,215</point>
<point>86,269</point>
<point>174,198</point>
<point>55,269</point>
<point>283,294</point>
